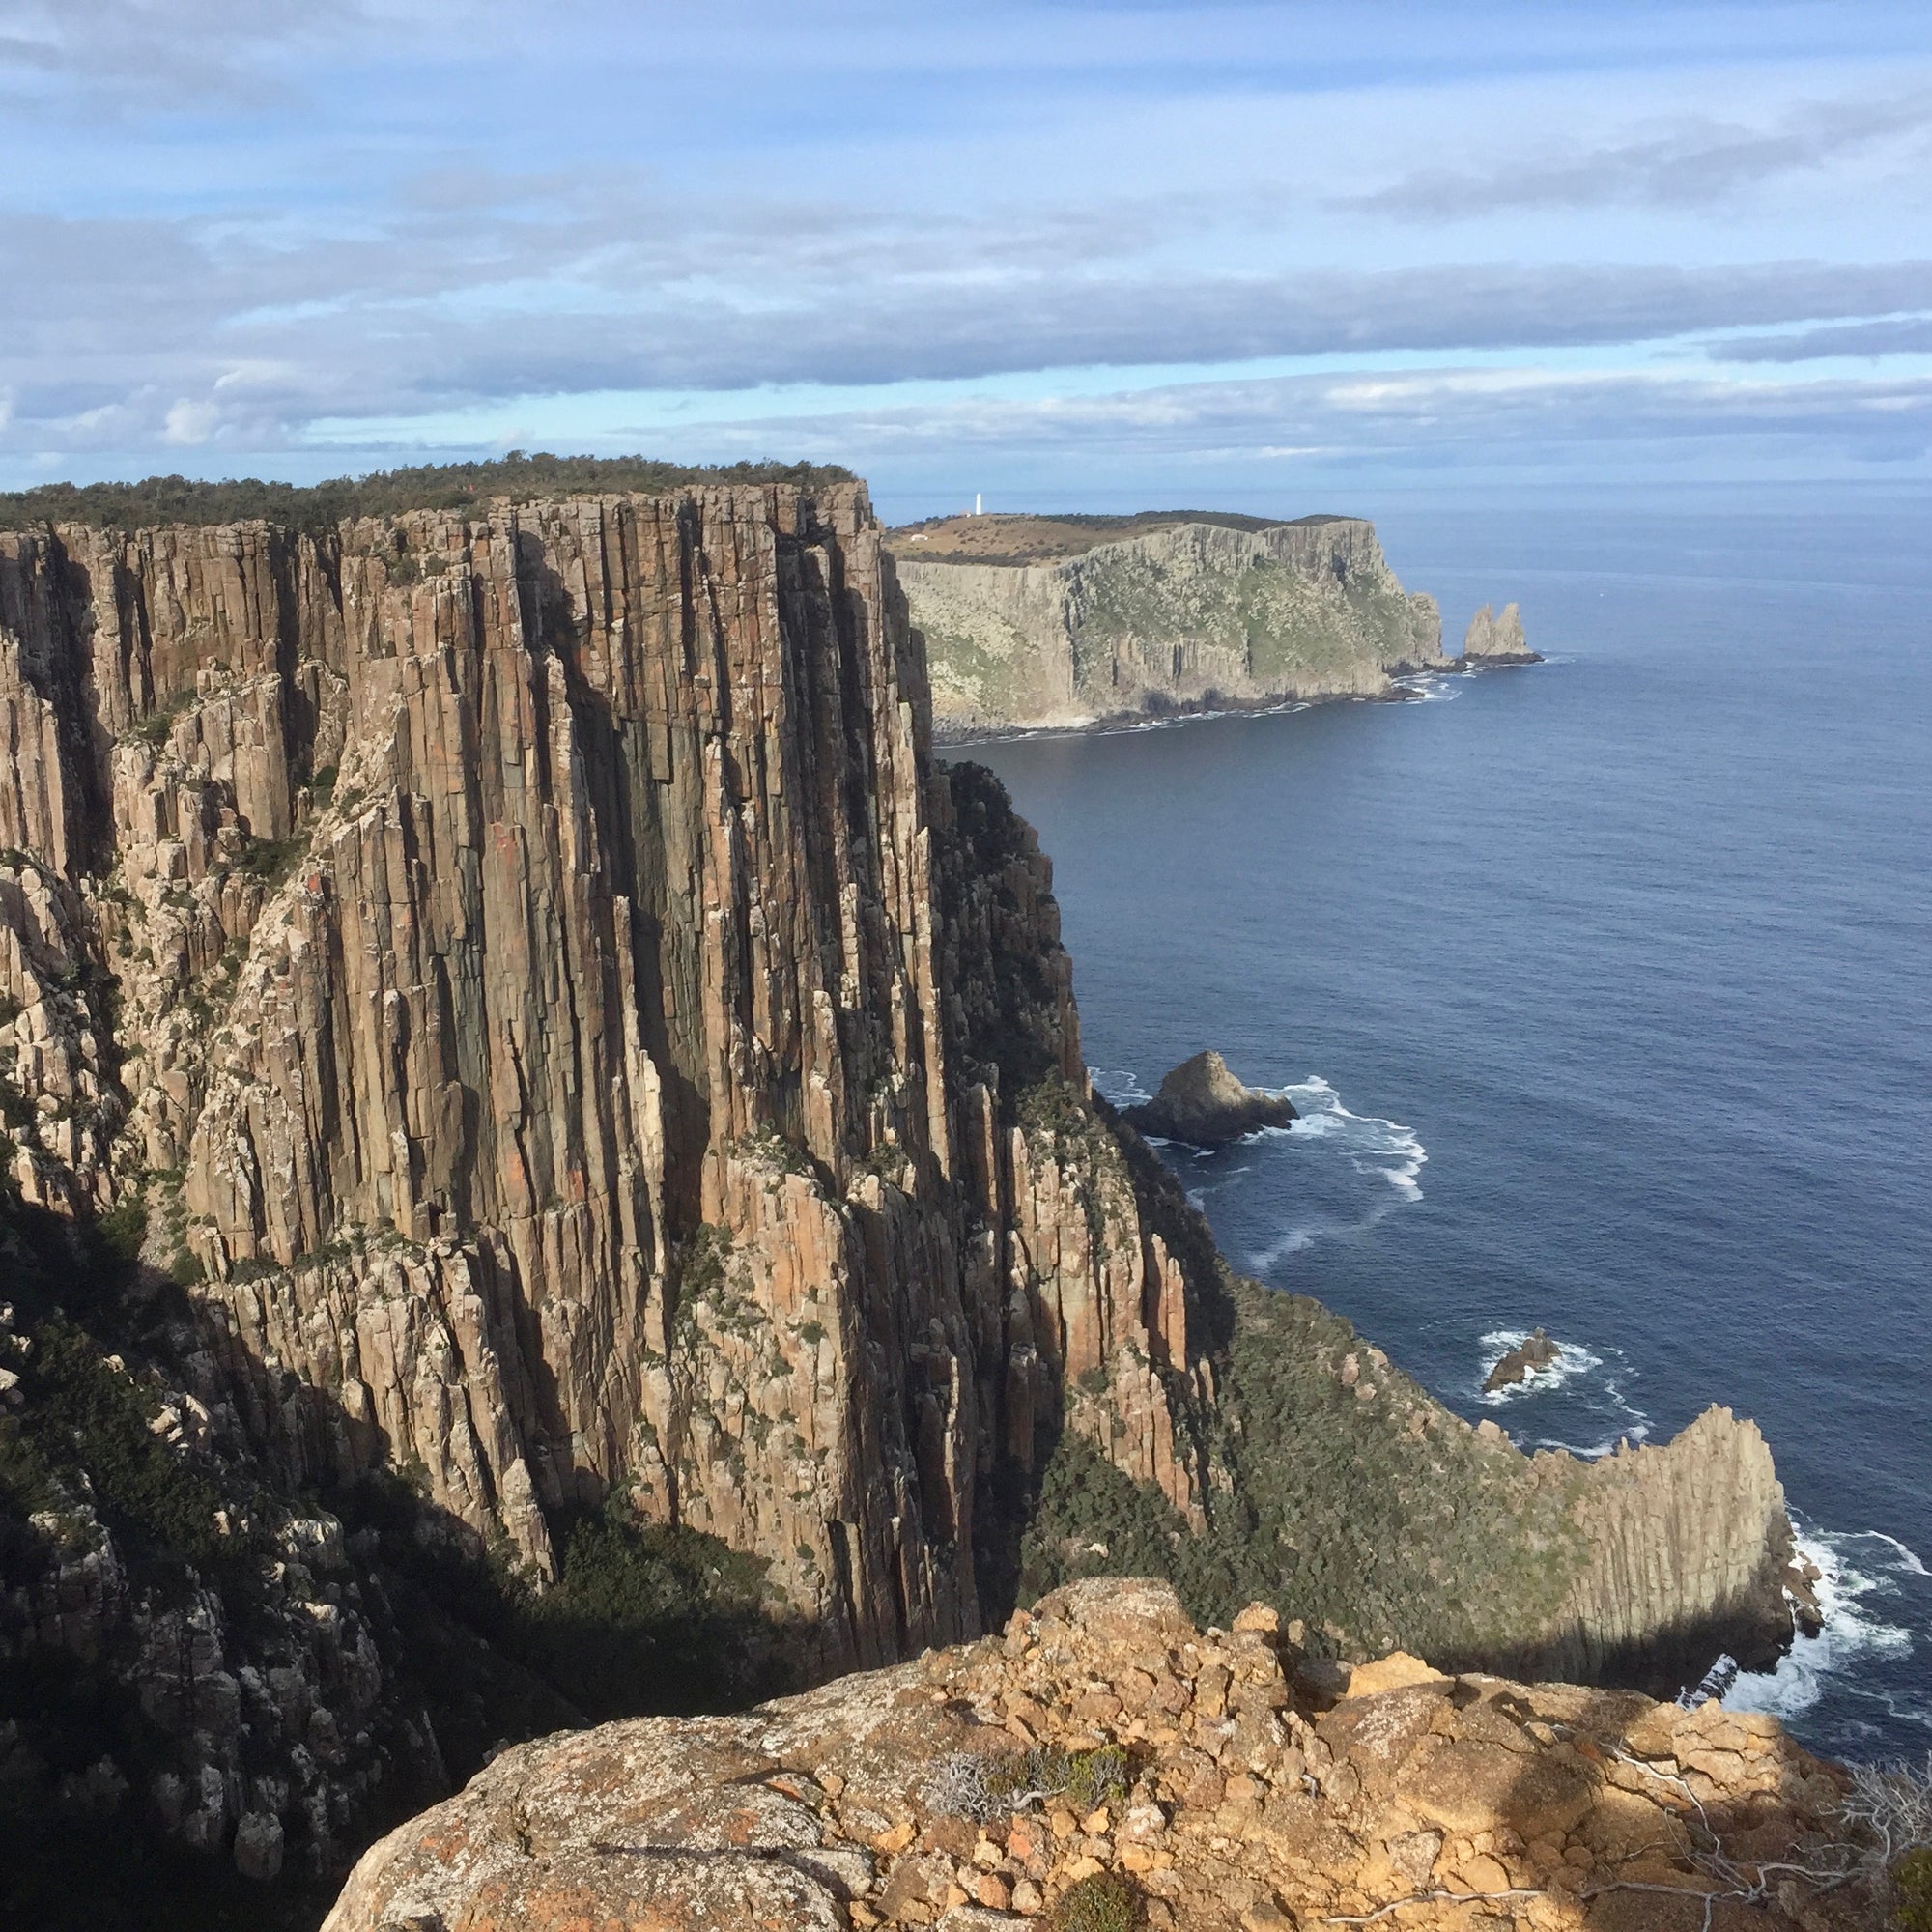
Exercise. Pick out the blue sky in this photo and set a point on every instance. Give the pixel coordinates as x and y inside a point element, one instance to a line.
<point>1060,251</point>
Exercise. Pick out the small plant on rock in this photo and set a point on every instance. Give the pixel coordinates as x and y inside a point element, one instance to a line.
<point>1106,1903</point>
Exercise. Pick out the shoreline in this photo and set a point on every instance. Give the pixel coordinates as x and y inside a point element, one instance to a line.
<point>1124,723</point>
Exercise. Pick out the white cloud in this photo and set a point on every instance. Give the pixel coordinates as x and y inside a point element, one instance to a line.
<point>188,424</point>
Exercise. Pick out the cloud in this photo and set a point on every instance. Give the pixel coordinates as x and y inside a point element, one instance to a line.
<point>170,54</point>
<point>1411,423</point>
<point>1692,163</point>
<point>1895,335</point>
<point>552,286</point>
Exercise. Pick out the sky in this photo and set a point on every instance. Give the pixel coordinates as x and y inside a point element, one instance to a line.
<point>1064,253</point>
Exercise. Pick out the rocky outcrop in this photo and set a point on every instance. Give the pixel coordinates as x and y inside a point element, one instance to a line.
<point>1201,1102</point>
<point>1185,617</point>
<point>1495,639</point>
<point>1691,1549</point>
<point>1107,1750</point>
<point>1517,1365</point>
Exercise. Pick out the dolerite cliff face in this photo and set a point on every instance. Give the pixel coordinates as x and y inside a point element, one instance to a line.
<point>1185,618</point>
<point>553,969</point>
<point>571,1042</point>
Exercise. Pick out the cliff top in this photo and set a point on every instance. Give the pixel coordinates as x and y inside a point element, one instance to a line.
<point>1107,1764</point>
<point>515,478</point>
<point>1020,539</point>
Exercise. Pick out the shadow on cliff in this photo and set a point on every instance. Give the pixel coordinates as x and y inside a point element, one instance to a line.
<point>643,1618</point>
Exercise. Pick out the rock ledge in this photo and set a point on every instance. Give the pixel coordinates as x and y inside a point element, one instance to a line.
<point>1104,1741</point>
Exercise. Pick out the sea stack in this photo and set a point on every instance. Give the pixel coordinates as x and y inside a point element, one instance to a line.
<point>1202,1102</point>
<point>1494,638</point>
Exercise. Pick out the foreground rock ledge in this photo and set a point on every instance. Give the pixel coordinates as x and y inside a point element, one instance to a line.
<point>1248,1798</point>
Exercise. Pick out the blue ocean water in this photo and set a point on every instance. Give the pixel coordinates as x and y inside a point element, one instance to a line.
<point>1604,988</point>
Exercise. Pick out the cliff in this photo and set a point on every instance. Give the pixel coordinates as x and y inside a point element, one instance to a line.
<point>512,1042</point>
<point>1192,615</point>
<point>1108,1764</point>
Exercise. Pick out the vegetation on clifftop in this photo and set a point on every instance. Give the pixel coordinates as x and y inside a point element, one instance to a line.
<point>430,486</point>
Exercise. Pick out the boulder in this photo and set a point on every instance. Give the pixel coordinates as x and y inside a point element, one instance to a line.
<point>907,1797</point>
<point>1202,1102</point>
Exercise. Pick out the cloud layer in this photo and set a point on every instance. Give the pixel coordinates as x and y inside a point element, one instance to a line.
<point>275,236</point>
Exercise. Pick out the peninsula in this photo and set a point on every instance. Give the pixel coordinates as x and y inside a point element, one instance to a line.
<point>551,1175</point>
<point>1038,622</point>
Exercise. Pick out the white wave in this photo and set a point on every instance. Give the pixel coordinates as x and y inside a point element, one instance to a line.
<point>1372,1145</point>
<point>1598,1388</point>
<point>1120,1085</point>
<point>1573,1360</point>
<point>1850,1632</point>
<point>1384,1148</point>
<point>1432,688</point>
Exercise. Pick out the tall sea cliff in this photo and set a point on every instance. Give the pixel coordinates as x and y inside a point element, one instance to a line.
<point>1035,622</point>
<point>537,1033</point>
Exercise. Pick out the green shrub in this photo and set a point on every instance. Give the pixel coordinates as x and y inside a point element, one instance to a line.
<point>1106,1903</point>
<point>84,1417</point>
<point>268,859</point>
<point>1912,1883</point>
<point>1084,1778</point>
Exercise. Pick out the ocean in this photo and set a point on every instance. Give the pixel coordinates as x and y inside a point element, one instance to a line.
<point>1604,989</point>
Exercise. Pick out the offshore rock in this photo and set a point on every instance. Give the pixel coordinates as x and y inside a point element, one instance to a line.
<point>1496,639</point>
<point>1202,1102</point>
<point>1071,622</point>
<point>1197,1776</point>
<point>1522,1362</point>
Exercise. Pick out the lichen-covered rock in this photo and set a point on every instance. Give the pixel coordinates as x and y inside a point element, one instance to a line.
<point>1106,1741</point>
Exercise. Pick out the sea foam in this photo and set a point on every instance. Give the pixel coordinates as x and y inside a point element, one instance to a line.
<point>1858,1571</point>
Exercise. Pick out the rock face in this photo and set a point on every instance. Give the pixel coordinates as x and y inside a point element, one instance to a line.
<point>1185,616</point>
<point>1195,1777</point>
<point>1495,639</point>
<point>1201,1102</point>
<point>571,1042</point>
<point>569,999</point>
<point>1522,1362</point>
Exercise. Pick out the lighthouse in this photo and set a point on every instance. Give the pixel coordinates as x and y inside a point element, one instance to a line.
<point>979,504</point>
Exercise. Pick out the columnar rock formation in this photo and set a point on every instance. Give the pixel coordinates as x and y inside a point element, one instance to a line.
<point>1182,616</point>
<point>571,1009</point>
<point>1108,1750</point>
